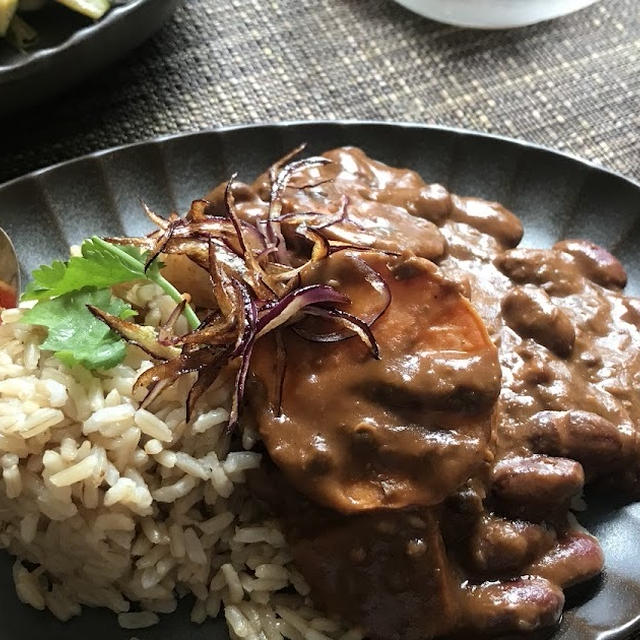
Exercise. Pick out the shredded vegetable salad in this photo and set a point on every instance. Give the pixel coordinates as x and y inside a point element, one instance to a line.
<point>17,29</point>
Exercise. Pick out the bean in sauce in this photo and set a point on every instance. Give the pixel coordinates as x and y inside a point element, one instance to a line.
<point>429,492</point>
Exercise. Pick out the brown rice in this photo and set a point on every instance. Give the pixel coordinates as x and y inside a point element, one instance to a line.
<point>120,507</point>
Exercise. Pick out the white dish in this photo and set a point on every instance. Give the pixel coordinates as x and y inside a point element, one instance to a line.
<point>493,14</point>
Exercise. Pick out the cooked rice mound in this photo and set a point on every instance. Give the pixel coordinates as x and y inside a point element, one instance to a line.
<point>109,505</point>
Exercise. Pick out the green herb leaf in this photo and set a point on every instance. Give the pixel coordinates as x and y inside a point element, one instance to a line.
<point>64,289</point>
<point>101,265</point>
<point>75,335</point>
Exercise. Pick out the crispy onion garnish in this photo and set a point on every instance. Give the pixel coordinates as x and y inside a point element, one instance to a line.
<point>256,282</point>
<point>141,336</point>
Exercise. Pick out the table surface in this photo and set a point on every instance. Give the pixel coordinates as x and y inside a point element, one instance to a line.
<point>572,84</point>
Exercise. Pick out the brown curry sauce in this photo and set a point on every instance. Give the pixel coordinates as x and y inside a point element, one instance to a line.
<point>428,492</point>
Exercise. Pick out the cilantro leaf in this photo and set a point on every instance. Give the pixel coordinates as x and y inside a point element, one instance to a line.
<point>63,290</point>
<point>101,265</point>
<point>75,335</point>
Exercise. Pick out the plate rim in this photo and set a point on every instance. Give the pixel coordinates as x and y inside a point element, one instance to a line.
<point>34,60</point>
<point>289,124</point>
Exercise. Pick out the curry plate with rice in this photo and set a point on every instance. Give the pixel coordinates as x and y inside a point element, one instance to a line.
<point>337,402</point>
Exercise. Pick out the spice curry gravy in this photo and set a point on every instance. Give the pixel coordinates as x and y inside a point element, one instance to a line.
<point>427,492</point>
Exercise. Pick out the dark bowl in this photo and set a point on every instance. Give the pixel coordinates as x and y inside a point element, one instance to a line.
<point>555,195</point>
<point>70,47</point>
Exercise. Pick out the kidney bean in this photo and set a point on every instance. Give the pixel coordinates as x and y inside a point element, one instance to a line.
<point>595,262</point>
<point>599,445</point>
<point>533,487</point>
<point>555,270</point>
<point>524,604</point>
<point>487,217</point>
<point>432,201</point>
<point>500,547</point>
<point>577,557</point>
<point>530,312</point>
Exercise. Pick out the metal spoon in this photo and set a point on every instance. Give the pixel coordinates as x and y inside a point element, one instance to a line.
<point>9,268</point>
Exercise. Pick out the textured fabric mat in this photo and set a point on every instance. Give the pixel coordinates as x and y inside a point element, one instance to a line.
<point>572,84</point>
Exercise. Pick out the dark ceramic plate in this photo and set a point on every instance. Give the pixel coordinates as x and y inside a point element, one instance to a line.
<point>71,47</point>
<point>555,195</point>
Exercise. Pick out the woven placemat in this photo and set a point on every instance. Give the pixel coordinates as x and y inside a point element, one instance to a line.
<point>572,84</point>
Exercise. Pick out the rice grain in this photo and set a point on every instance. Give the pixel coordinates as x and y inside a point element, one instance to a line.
<point>75,473</point>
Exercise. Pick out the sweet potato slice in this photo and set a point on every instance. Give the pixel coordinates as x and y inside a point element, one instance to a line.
<point>355,433</point>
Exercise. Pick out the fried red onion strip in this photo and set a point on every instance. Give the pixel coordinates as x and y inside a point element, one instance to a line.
<point>273,231</point>
<point>285,309</point>
<point>154,217</point>
<point>355,325</point>
<point>133,333</point>
<point>165,334</point>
